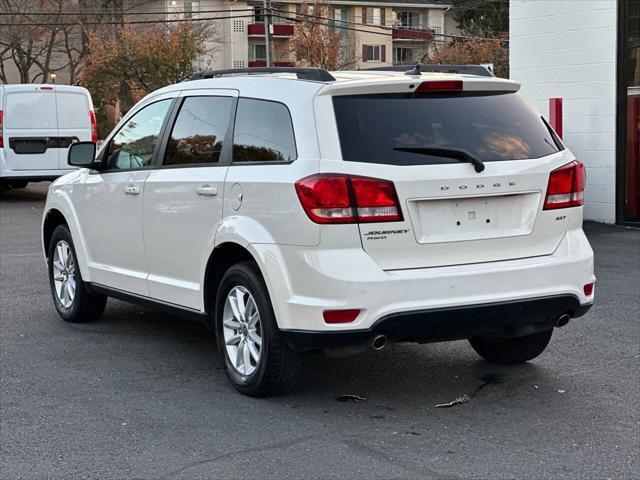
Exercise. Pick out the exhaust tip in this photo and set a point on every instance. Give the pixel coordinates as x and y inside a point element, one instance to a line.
<point>563,320</point>
<point>379,342</point>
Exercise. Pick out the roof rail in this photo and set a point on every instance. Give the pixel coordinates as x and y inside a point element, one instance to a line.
<point>303,73</point>
<point>480,70</point>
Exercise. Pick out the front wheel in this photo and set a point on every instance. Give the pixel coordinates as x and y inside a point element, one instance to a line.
<point>511,350</point>
<point>254,356</point>
<point>73,301</point>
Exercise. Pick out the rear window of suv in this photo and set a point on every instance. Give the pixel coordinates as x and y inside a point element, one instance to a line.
<point>491,126</point>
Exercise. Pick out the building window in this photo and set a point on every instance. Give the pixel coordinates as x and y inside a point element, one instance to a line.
<point>374,53</point>
<point>257,52</point>
<point>408,19</point>
<point>373,16</point>
<point>402,55</point>
<point>182,10</point>
<point>337,22</point>
<point>258,17</point>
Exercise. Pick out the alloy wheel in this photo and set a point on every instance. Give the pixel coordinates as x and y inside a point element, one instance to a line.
<point>64,274</point>
<point>242,330</point>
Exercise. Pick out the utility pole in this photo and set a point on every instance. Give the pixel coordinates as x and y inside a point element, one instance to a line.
<point>265,17</point>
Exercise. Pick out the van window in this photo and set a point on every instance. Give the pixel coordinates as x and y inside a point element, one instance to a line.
<point>73,110</point>
<point>492,126</point>
<point>198,134</point>
<point>133,145</point>
<point>263,132</point>
<point>30,110</point>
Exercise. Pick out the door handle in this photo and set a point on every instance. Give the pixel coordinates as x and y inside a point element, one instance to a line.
<point>131,190</point>
<point>207,191</point>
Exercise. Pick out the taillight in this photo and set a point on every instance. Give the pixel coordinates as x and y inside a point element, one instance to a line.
<point>566,186</point>
<point>94,127</point>
<point>1,131</point>
<point>337,198</point>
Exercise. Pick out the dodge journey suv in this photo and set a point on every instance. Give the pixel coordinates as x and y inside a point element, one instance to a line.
<point>295,210</point>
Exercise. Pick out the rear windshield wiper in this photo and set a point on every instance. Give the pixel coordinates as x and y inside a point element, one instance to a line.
<point>448,152</point>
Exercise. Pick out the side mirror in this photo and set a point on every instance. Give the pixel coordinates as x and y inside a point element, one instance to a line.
<point>81,154</point>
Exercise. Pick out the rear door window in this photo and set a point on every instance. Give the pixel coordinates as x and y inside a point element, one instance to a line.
<point>491,126</point>
<point>199,131</point>
<point>263,132</point>
<point>31,110</point>
<point>73,110</point>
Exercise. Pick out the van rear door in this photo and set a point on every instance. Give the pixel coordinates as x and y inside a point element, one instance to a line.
<point>74,120</point>
<point>29,122</point>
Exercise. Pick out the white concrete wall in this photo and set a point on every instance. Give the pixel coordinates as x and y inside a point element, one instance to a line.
<point>567,48</point>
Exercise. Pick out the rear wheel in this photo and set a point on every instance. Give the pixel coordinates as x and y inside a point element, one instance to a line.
<point>511,350</point>
<point>254,356</point>
<point>73,301</point>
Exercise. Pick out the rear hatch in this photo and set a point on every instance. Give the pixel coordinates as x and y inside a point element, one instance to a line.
<point>428,144</point>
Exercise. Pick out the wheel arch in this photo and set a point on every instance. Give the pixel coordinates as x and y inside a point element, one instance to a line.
<point>221,258</point>
<point>52,219</point>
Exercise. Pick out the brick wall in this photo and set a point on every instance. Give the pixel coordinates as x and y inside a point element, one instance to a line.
<point>567,49</point>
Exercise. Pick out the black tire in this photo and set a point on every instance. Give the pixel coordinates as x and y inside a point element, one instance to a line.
<point>511,350</point>
<point>278,366</point>
<point>85,306</point>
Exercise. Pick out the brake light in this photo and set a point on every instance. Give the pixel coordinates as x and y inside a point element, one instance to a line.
<point>94,127</point>
<point>337,198</point>
<point>440,86</point>
<point>566,186</point>
<point>1,131</point>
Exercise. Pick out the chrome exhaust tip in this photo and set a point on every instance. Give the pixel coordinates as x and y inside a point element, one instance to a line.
<point>562,320</point>
<point>379,342</point>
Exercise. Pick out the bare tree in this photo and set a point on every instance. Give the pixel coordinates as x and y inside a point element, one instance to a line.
<point>56,38</point>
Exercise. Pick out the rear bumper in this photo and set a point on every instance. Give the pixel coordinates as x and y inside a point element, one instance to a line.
<point>453,323</point>
<point>304,281</point>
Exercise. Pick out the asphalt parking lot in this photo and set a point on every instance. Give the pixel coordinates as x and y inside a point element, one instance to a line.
<point>140,394</point>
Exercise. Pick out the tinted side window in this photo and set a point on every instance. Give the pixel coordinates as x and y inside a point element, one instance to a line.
<point>263,132</point>
<point>132,146</point>
<point>199,131</point>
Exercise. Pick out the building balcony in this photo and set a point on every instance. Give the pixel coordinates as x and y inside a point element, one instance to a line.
<point>263,63</point>
<point>420,34</point>
<point>277,29</point>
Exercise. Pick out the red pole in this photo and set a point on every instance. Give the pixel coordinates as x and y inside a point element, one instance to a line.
<point>555,115</point>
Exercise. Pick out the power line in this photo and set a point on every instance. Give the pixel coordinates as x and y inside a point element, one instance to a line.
<point>128,12</point>
<point>125,22</point>
<point>324,21</point>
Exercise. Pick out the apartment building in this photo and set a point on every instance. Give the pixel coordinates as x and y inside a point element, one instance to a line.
<point>375,32</point>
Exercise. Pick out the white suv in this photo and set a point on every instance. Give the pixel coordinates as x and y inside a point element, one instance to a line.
<point>298,210</point>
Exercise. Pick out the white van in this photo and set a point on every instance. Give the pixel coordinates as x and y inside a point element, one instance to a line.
<point>37,125</point>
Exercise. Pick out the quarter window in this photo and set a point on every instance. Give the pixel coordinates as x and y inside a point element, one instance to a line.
<point>263,132</point>
<point>133,145</point>
<point>198,134</point>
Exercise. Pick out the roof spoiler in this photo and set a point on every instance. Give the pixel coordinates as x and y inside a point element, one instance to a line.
<point>484,70</point>
<point>303,73</point>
